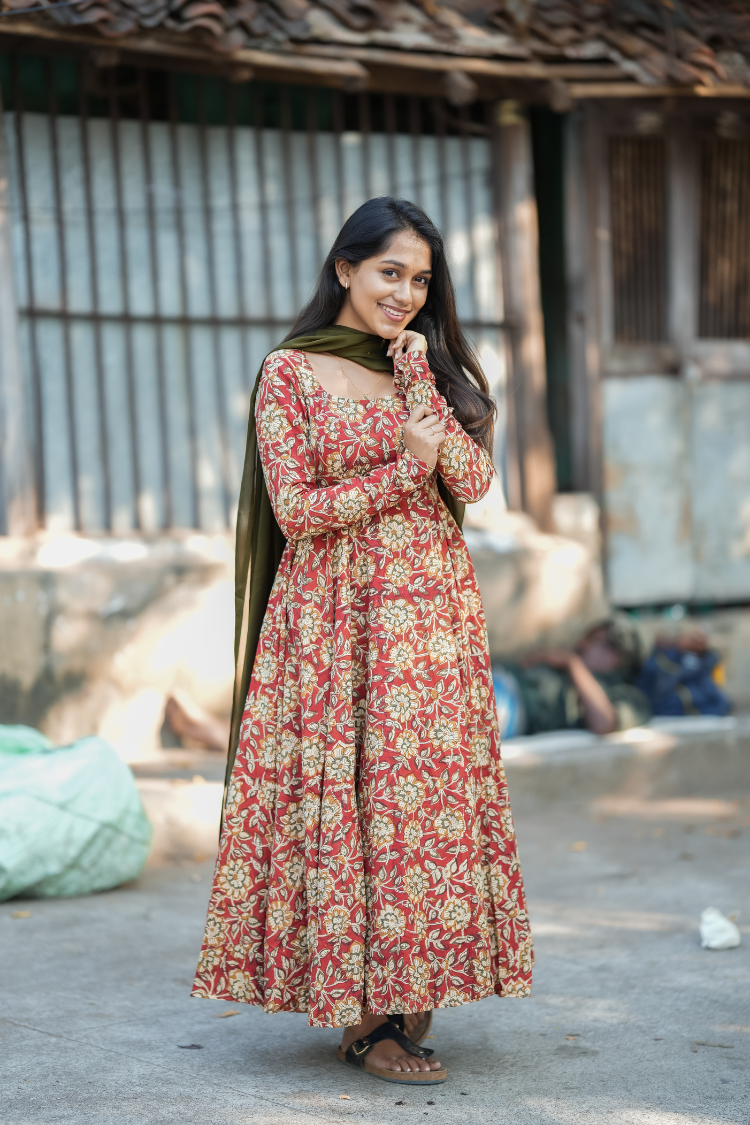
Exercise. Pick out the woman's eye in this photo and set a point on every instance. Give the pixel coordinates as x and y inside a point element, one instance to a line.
<point>422,280</point>
<point>390,273</point>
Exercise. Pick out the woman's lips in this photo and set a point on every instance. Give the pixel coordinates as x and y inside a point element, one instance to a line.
<point>392,314</point>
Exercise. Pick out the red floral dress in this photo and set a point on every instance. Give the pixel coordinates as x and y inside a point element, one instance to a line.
<point>367,860</point>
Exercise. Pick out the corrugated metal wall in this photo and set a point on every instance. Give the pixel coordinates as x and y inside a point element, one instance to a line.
<point>157,261</point>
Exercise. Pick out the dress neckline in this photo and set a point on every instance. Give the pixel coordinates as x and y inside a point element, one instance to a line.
<point>342,398</point>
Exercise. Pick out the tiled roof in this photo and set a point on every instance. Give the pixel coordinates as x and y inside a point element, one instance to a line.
<point>655,42</point>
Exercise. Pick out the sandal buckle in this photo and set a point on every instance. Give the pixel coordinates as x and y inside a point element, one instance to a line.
<point>365,1046</point>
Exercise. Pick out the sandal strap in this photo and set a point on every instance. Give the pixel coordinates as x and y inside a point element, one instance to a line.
<point>357,1051</point>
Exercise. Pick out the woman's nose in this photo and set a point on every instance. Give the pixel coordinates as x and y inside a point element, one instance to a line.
<point>402,292</point>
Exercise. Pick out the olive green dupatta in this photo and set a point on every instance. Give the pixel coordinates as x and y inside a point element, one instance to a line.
<point>260,542</point>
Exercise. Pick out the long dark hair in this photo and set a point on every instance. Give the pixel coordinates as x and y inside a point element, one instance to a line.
<point>457,370</point>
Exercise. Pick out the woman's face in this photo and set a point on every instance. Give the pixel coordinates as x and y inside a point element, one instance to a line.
<point>386,292</point>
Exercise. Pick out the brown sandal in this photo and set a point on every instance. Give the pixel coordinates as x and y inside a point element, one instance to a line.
<point>356,1055</point>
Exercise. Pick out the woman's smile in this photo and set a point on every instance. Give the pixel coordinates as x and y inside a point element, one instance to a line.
<point>393,313</point>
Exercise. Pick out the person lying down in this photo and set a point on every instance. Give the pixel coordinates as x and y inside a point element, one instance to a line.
<point>590,686</point>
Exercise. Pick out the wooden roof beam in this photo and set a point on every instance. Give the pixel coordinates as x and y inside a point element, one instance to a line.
<point>581,91</point>
<point>476,66</point>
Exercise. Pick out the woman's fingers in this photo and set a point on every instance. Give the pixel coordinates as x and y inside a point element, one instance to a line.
<point>424,433</point>
<point>422,415</point>
<point>407,341</point>
<point>431,426</point>
<point>420,411</point>
<point>397,344</point>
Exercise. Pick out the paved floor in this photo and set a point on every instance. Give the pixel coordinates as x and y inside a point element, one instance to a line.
<point>630,1021</point>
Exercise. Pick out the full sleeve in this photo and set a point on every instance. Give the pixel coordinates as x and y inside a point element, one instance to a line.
<point>464,465</point>
<point>302,507</point>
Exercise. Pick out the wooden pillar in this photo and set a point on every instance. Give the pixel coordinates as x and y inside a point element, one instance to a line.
<point>586,233</point>
<point>17,499</point>
<point>529,434</point>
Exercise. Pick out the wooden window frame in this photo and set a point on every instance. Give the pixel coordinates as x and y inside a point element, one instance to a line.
<point>594,352</point>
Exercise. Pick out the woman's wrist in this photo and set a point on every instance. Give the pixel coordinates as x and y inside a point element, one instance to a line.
<point>412,368</point>
<point>412,470</point>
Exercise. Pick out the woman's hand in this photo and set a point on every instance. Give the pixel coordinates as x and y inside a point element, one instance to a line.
<point>424,433</point>
<point>407,341</point>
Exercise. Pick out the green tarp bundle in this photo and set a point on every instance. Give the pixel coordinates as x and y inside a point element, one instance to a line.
<point>71,817</point>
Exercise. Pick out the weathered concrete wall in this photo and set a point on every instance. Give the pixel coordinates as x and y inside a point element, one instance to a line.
<point>646,490</point>
<point>720,488</point>
<point>536,588</point>
<point>677,489</point>
<point>96,632</point>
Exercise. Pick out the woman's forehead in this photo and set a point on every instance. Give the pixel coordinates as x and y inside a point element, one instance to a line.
<point>409,251</point>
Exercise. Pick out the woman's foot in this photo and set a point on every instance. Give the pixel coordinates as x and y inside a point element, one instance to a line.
<point>412,1022</point>
<point>387,1054</point>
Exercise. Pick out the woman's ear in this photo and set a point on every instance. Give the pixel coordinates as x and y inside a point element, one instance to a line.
<point>343,272</point>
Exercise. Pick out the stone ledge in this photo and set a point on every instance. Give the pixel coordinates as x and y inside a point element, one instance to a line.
<point>700,758</point>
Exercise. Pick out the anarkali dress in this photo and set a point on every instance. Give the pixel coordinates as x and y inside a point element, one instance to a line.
<point>367,859</point>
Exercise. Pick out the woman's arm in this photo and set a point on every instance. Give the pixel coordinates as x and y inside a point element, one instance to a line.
<point>300,506</point>
<point>464,465</point>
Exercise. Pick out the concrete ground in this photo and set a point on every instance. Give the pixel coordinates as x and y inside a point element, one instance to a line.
<point>630,1021</point>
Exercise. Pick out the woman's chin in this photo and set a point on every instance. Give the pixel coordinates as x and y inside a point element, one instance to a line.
<point>386,329</point>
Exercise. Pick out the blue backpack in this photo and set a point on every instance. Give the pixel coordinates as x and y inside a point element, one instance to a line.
<point>682,683</point>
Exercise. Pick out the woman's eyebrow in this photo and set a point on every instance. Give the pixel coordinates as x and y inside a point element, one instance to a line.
<point>393,262</point>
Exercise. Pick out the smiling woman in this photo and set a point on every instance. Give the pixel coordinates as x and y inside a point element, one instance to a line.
<point>368,870</point>
<point>389,260</point>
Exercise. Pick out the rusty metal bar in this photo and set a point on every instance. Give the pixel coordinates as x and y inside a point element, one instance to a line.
<point>415,129</point>
<point>239,260</point>
<point>63,282</point>
<point>438,114</point>
<point>161,377</point>
<point>364,119</point>
<point>742,242</point>
<point>312,155</point>
<point>114,119</point>
<point>390,144</point>
<point>36,378</point>
<point>263,201</point>
<point>469,202</point>
<point>291,216</point>
<point>200,321</point>
<point>338,130</point>
<point>220,382</point>
<point>83,117</point>
<point>184,320</point>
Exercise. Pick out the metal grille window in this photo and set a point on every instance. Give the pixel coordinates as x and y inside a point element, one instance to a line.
<point>166,229</point>
<point>639,250</point>
<point>725,239</point>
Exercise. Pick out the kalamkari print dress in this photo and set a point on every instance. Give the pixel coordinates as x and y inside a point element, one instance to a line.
<point>367,859</point>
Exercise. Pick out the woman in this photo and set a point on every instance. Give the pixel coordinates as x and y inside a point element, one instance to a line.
<point>367,864</point>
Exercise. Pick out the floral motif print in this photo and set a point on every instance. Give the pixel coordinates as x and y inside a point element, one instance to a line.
<point>367,858</point>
